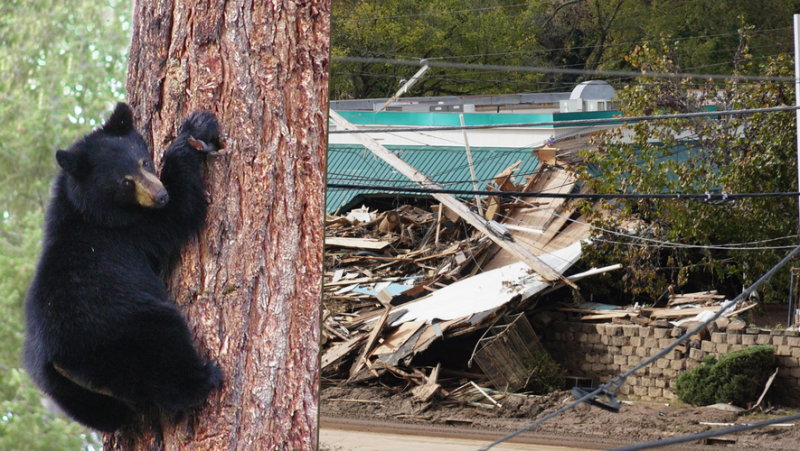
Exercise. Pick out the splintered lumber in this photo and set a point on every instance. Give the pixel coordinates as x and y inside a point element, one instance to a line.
<point>340,351</point>
<point>373,338</point>
<point>425,392</point>
<point>607,315</point>
<point>680,313</point>
<point>357,243</point>
<point>524,255</point>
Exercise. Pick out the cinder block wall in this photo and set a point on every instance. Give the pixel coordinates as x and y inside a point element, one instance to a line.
<point>602,351</point>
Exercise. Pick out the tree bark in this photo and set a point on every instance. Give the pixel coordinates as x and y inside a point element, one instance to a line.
<point>250,285</point>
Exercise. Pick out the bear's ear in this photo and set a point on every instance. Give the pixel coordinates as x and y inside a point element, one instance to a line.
<point>121,120</point>
<point>73,162</point>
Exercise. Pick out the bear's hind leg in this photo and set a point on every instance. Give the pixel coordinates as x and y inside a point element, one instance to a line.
<point>95,410</point>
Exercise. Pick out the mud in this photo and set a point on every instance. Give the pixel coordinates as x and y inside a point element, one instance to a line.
<point>597,428</point>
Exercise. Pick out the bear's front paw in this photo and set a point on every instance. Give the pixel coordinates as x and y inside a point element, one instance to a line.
<point>202,131</point>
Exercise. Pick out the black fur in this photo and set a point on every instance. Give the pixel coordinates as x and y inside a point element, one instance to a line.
<point>103,339</point>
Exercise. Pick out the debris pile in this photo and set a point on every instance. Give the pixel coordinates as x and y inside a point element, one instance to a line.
<point>398,281</point>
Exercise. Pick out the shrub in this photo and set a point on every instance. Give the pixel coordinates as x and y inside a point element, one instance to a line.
<point>736,378</point>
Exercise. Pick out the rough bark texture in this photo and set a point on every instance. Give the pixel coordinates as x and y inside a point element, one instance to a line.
<point>250,284</point>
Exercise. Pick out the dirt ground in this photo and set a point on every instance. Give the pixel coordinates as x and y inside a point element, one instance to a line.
<point>599,429</point>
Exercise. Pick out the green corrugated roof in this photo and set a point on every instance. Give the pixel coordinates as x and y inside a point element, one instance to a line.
<point>349,163</point>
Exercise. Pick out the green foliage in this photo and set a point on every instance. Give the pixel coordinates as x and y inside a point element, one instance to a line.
<point>547,375</point>
<point>737,378</point>
<point>63,65</point>
<point>575,34</point>
<point>734,154</point>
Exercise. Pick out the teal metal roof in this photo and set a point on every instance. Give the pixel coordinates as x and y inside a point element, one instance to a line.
<point>436,119</point>
<point>448,166</point>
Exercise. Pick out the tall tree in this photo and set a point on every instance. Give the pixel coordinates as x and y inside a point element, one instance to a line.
<point>250,284</point>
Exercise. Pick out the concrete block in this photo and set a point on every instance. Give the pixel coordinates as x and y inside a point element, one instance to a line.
<point>696,354</point>
<point>793,341</point>
<point>636,341</point>
<point>662,363</point>
<point>655,392</point>
<point>778,340</point>
<point>613,330</point>
<point>719,337</point>
<point>661,333</point>
<point>783,351</point>
<point>598,367</point>
<point>620,360</point>
<point>645,332</point>
<point>600,329</point>
<point>650,343</point>
<point>790,362</point>
<point>734,339</point>
<point>641,351</point>
<point>678,364</point>
<point>661,383</point>
<point>613,350</point>
<point>664,342</point>
<point>640,391</point>
<point>593,338</point>
<point>676,332</point>
<point>749,340</point>
<point>619,340</point>
<point>580,337</point>
<point>736,348</point>
<point>656,371</point>
<point>763,339</point>
<point>708,346</point>
<point>605,339</point>
<point>627,350</point>
<point>795,373</point>
<point>630,331</point>
<point>723,348</point>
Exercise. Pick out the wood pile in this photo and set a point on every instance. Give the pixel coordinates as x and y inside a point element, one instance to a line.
<point>679,307</point>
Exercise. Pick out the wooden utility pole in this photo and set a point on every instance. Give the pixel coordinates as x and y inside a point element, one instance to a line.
<point>250,284</point>
<point>406,86</point>
<point>524,255</point>
<point>471,166</point>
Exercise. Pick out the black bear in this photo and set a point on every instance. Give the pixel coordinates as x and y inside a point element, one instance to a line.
<point>103,339</point>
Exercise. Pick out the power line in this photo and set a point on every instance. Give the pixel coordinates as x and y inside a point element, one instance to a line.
<point>611,387</point>
<point>548,70</point>
<point>660,243</point>
<point>707,434</point>
<point>591,196</point>
<point>612,120</point>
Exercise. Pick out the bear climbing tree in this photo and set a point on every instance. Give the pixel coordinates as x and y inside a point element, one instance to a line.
<point>250,283</point>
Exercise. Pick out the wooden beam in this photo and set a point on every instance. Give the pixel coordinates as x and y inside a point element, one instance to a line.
<point>524,255</point>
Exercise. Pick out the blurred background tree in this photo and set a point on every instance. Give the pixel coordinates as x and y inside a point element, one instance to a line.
<point>62,66</point>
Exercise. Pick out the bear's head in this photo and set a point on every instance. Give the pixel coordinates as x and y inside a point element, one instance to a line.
<point>108,175</point>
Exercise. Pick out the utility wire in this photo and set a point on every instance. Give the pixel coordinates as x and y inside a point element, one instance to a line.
<point>613,120</point>
<point>548,70</point>
<point>707,434</point>
<point>613,385</point>
<point>594,196</point>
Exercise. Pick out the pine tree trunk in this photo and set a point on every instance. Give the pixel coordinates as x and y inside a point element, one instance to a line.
<point>250,284</point>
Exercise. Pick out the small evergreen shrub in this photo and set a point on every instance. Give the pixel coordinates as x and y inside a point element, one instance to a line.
<point>737,378</point>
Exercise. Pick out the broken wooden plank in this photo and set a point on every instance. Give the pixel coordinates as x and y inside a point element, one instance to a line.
<point>357,243</point>
<point>680,313</point>
<point>373,338</point>
<point>340,351</point>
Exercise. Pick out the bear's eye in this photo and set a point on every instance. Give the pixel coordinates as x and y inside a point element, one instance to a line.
<point>145,164</point>
<point>127,183</point>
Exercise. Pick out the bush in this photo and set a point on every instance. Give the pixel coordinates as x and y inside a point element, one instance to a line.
<point>737,378</point>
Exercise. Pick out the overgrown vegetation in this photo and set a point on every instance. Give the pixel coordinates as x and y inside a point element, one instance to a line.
<point>737,377</point>
<point>693,244</point>
<point>547,376</point>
